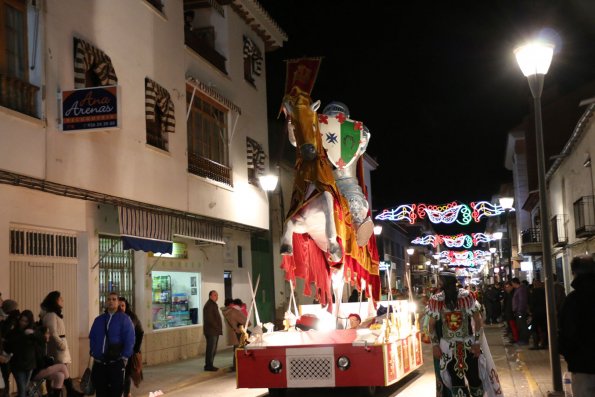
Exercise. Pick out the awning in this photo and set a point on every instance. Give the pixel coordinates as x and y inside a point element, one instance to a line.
<point>150,231</point>
<point>213,94</point>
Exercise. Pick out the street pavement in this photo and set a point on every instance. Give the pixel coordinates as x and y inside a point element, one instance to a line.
<point>522,373</point>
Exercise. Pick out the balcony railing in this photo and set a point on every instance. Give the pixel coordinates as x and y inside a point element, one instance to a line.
<point>18,95</point>
<point>202,166</point>
<point>559,233</point>
<point>197,41</point>
<point>532,235</point>
<point>584,216</point>
<point>531,241</point>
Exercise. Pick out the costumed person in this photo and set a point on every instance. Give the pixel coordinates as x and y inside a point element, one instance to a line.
<point>441,389</point>
<point>460,347</point>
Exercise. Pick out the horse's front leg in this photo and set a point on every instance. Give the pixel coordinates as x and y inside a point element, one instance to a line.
<point>334,249</point>
<point>287,240</point>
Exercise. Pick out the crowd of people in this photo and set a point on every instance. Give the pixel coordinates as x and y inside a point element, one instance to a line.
<point>33,351</point>
<point>521,308</point>
<point>456,327</point>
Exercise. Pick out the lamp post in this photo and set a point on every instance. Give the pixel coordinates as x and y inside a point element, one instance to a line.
<point>498,236</point>
<point>493,251</point>
<point>534,59</point>
<point>506,204</point>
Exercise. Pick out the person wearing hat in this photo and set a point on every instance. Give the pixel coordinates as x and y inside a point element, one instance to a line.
<point>10,309</point>
<point>459,348</point>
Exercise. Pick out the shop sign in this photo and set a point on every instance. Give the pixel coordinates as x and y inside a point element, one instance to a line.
<point>89,108</point>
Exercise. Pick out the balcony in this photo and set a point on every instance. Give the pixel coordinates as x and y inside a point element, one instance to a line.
<point>202,41</point>
<point>531,241</point>
<point>559,232</point>
<point>584,217</point>
<point>18,95</point>
<point>202,166</point>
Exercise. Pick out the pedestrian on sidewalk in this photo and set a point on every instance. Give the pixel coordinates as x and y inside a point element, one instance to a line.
<point>111,342</point>
<point>520,307</point>
<point>459,348</point>
<point>21,342</point>
<point>52,317</point>
<point>575,327</point>
<point>508,314</point>
<point>212,328</point>
<point>538,316</point>
<point>133,370</point>
<point>10,310</point>
<point>236,320</point>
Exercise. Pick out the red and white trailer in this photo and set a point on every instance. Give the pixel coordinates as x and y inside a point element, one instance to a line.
<point>334,358</point>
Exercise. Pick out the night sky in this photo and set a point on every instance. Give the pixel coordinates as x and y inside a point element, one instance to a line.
<point>437,85</point>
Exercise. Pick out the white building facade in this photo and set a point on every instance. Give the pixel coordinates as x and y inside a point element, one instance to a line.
<point>128,127</point>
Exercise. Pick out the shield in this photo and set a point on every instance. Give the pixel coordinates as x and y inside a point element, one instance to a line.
<point>454,320</point>
<point>343,139</point>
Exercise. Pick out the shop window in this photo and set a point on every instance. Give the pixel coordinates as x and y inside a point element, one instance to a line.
<point>159,110</point>
<point>92,67</point>
<point>16,92</point>
<point>252,60</point>
<point>116,270</point>
<point>207,138</point>
<point>175,298</point>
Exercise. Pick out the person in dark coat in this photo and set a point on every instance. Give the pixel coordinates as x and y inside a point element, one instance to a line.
<point>212,328</point>
<point>576,322</point>
<point>520,307</point>
<point>508,313</point>
<point>139,333</point>
<point>21,343</point>
<point>538,316</point>
<point>10,308</point>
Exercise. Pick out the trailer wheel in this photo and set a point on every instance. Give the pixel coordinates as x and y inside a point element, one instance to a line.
<point>277,392</point>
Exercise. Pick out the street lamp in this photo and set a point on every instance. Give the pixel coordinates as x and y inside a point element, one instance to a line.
<point>506,204</point>
<point>377,230</point>
<point>268,182</point>
<point>534,59</point>
<point>498,236</point>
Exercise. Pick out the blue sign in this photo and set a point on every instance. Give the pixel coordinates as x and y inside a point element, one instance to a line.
<point>90,108</point>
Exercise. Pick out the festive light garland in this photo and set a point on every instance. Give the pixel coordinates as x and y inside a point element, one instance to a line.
<point>456,241</point>
<point>449,213</point>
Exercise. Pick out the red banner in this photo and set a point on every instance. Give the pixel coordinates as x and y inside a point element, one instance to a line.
<point>302,73</point>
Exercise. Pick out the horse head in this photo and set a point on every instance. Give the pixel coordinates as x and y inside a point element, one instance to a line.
<point>303,124</point>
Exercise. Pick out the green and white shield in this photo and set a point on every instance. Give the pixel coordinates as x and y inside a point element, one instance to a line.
<point>344,139</point>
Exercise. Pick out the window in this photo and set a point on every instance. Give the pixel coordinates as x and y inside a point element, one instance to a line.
<point>252,60</point>
<point>157,4</point>
<point>175,298</point>
<point>15,91</point>
<point>159,113</point>
<point>207,138</point>
<point>256,156</point>
<point>116,270</point>
<point>40,243</point>
<point>92,67</point>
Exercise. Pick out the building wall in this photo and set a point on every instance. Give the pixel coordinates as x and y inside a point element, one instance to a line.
<point>141,42</point>
<point>571,181</point>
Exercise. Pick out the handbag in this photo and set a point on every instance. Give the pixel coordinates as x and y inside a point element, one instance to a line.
<point>136,369</point>
<point>87,386</point>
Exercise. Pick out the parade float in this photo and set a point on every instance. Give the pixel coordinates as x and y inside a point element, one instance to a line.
<point>328,242</point>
